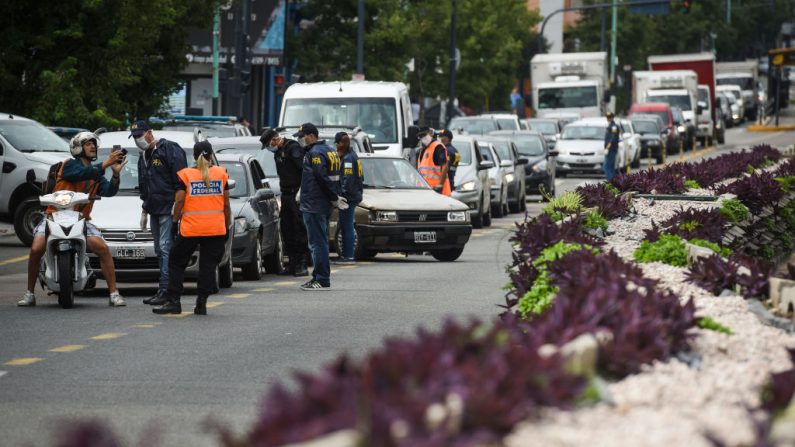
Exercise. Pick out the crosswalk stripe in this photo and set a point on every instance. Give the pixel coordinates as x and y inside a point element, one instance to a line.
<point>144,326</point>
<point>108,336</point>
<point>264,289</point>
<point>24,361</point>
<point>239,295</point>
<point>68,348</point>
<point>285,283</point>
<point>214,304</point>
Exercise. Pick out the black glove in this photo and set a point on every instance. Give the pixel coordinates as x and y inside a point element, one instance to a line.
<point>174,230</point>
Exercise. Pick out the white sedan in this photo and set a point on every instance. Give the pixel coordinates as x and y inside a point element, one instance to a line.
<point>581,147</point>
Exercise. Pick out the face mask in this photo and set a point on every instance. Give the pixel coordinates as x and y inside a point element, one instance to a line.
<point>426,140</point>
<point>273,149</point>
<point>142,143</point>
<point>302,141</point>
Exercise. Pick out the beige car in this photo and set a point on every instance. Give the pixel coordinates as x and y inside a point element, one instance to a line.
<point>399,212</point>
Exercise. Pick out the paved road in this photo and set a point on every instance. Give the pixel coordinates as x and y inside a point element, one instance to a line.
<point>139,371</point>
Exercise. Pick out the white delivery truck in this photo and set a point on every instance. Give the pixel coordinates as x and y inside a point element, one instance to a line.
<point>746,76</point>
<point>571,83</point>
<point>381,109</point>
<point>677,88</point>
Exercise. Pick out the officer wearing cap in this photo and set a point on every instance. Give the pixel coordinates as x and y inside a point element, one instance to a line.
<point>612,134</point>
<point>351,187</point>
<point>320,189</point>
<point>289,158</point>
<point>432,161</point>
<point>157,185</point>
<point>453,157</point>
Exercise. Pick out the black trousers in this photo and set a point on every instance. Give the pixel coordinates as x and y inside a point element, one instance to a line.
<point>292,227</point>
<point>211,251</point>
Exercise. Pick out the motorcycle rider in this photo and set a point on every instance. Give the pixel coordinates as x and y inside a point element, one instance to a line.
<point>79,175</point>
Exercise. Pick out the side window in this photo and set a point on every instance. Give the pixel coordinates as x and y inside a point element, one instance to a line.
<point>514,152</point>
<point>478,155</point>
<point>1,148</point>
<point>256,174</point>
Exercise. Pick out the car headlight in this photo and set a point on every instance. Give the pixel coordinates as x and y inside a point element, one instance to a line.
<point>681,129</point>
<point>540,166</point>
<point>468,186</point>
<point>241,225</point>
<point>457,216</point>
<point>384,216</point>
<point>509,178</point>
<point>653,143</point>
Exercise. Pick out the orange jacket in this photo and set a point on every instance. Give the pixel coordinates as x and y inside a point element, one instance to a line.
<point>203,210</point>
<point>84,186</point>
<point>430,171</point>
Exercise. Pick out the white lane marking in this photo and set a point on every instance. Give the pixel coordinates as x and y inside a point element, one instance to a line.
<point>2,373</point>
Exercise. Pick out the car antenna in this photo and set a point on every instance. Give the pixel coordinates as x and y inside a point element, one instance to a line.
<point>340,85</point>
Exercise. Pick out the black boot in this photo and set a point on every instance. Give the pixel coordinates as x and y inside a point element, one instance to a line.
<point>300,267</point>
<point>157,299</point>
<point>201,305</point>
<point>289,268</point>
<point>170,307</point>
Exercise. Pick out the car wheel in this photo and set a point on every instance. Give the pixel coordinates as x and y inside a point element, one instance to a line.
<point>449,255</point>
<point>721,138</point>
<point>487,217</point>
<point>274,262</point>
<point>253,270</point>
<point>27,215</point>
<point>225,275</point>
<point>338,241</point>
<point>477,219</point>
<point>360,252</point>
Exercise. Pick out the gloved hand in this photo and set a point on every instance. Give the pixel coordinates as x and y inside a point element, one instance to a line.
<point>341,203</point>
<point>144,218</point>
<point>174,230</point>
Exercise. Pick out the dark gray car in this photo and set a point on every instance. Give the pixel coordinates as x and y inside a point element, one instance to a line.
<point>510,159</point>
<point>539,170</point>
<point>652,137</point>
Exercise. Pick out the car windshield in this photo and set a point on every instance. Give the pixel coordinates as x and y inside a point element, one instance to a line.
<point>529,145</point>
<point>30,136</point>
<point>263,156</point>
<point>583,133</point>
<point>567,97</point>
<point>663,115</point>
<point>545,127</point>
<point>208,130</point>
<point>681,101</point>
<point>391,173</point>
<point>503,149</point>
<point>479,126</point>
<point>507,124</point>
<point>730,96</point>
<point>465,150</point>
<point>376,116</point>
<point>644,127</point>
<point>743,82</point>
<point>487,154</point>
<point>237,172</point>
<point>703,95</point>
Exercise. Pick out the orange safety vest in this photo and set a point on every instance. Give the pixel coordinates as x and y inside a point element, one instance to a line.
<point>84,186</point>
<point>428,169</point>
<point>203,210</point>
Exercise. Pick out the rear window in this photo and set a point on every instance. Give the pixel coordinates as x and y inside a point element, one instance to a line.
<point>663,115</point>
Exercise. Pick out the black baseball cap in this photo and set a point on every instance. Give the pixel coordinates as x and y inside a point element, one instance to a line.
<point>138,129</point>
<point>446,133</point>
<point>339,135</point>
<point>306,129</point>
<point>267,136</point>
<point>424,129</point>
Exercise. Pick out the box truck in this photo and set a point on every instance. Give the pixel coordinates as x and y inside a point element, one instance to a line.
<point>744,74</point>
<point>571,83</point>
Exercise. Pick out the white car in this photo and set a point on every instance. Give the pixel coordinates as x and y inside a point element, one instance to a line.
<point>497,178</point>
<point>633,141</point>
<point>581,147</point>
<point>505,121</point>
<point>734,92</point>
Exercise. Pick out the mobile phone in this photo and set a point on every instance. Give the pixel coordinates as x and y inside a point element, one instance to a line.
<point>116,147</point>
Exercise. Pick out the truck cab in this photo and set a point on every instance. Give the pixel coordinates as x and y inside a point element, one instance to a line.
<point>677,88</point>
<point>582,97</point>
<point>571,83</point>
<point>746,84</point>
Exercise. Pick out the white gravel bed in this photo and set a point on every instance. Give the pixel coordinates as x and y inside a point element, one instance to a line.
<point>673,403</point>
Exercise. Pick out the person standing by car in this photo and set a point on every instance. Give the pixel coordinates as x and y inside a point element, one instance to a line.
<point>351,186</point>
<point>612,134</point>
<point>320,191</point>
<point>432,161</point>
<point>79,175</point>
<point>157,182</point>
<point>289,158</point>
<point>453,157</point>
<point>203,216</point>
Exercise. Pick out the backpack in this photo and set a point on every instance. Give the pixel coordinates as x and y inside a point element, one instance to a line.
<point>48,185</point>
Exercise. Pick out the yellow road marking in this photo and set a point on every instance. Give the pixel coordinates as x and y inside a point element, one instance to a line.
<point>239,295</point>
<point>14,260</point>
<point>333,271</point>
<point>145,326</point>
<point>24,361</point>
<point>348,267</point>
<point>285,283</point>
<point>182,315</point>
<point>214,304</point>
<point>264,289</point>
<point>109,336</point>
<point>68,348</point>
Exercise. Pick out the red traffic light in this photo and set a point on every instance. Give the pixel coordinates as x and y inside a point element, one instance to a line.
<point>278,79</point>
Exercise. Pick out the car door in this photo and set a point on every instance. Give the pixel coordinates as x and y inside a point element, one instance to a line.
<point>265,205</point>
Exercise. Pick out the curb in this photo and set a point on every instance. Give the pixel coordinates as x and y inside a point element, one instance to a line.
<point>767,128</point>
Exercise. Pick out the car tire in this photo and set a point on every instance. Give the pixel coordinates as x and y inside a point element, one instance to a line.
<point>477,219</point>
<point>448,255</point>
<point>226,275</point>
<point>253,270</point>
<point>487,218</point>
<point>274,262</point>
<point>66,297</point>
<point>27,215</point>
<point>360,252</point>
<point>338,241</point>
<point>721,138</point>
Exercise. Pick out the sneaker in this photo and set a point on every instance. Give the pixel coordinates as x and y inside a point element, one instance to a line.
<point>343,261</point>
<point>314,285</point>
<point>28,300</point>
<point>116,300</point>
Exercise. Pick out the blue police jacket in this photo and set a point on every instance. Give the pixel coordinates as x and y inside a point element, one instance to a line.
<point>157,176</point>
<point>352,181</point>
<point>453,159</point>
<point>612,135</point>
<point>320,180</point>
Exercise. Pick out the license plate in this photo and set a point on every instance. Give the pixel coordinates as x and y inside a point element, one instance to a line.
<point>424,237</point>
<point>582,160</point>
<point>129,253</point>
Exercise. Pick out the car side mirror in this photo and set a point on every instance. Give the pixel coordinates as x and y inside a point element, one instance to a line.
<point>506,164</point>
<point>265,194</point>
<point>552,154</point>
<point>30,176</point>
<point>411,138</point>
<point>485,164</point>
<point>702,104</point>
<point>700,109</point>
<point>231,184</point>
<point>265,183</point>
<point>522,161</point>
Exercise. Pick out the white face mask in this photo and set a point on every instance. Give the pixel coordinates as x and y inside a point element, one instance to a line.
<point>426,140</point>
<point>142,143</point>
<point>302,141</point>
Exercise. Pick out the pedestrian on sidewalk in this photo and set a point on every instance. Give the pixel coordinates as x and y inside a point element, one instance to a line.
<point>203,218</point>
<point>351,187</point>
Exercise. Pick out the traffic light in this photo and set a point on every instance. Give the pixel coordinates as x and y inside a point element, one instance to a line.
<point>686,5</point>
<point>278,79</point>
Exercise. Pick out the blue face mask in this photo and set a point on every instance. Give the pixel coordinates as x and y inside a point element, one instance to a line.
<point>273,149</point>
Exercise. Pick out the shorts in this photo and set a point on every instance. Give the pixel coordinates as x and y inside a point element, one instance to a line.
<point>91,230</point>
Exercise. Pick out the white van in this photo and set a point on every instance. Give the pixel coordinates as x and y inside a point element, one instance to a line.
<point>381,109</point>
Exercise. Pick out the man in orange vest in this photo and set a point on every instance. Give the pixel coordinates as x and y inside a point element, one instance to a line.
<point>432,161</point>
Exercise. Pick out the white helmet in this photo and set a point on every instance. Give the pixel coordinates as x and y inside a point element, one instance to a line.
<point>76,145</point>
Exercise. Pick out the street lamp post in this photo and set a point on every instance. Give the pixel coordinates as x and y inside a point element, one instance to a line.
<point>360,41</point>
<point>453,63</point>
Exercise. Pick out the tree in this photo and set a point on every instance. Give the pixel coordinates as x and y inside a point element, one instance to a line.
<point>92,63</point>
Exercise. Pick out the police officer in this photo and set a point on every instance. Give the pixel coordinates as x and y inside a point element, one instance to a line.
<point>158,182</point>
<point>453,157</point>
<point>289,158</point>
<point>320,191</point>
<point>351,186</point>
<point>201,209</point>
<point>611,147</point>
<point>432,161</point>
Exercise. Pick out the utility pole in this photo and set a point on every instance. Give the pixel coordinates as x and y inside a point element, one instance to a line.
<point>613,41</point>
<point>453,64</point>
<point>216,38</point>
<point>360,41</point>
<point>246,76</point>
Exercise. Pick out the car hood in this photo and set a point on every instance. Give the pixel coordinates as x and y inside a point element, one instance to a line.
<point>579,145</point>
<point>465,174</point>
<point>49,158</point>
<point>122,212</point>
<point>409,199</point>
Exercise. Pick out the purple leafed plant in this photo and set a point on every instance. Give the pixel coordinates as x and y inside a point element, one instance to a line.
<point>778,394</point>
<point>657,181</point>
<point>610,205</point>
<point>693,223</point>
<point>755,191</point>
<point>715,274</point>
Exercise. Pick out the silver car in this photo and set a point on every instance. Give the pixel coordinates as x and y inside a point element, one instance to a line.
<point>497,174</point>
<point>472,183</point>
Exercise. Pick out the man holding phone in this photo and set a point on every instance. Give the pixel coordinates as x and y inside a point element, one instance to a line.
<point>158,182</point>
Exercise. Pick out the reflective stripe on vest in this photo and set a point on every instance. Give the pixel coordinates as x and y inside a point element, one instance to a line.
<point>429,171</point>
<point>203,210</point>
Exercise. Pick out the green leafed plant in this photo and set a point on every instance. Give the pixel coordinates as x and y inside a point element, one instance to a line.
<point>595,221</point>
<point>563,205</point>
<point>668,249</point>
<point>734,210</point>
<point>787,182</point>
<point>712,325</point>
<point>692,184</point>
<point>717,248</point>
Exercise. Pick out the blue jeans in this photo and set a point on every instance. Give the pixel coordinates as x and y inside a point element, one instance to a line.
<point>610,164</point>
<point>317,232</point>
<point>347,230</point>
<point>161,233</point>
